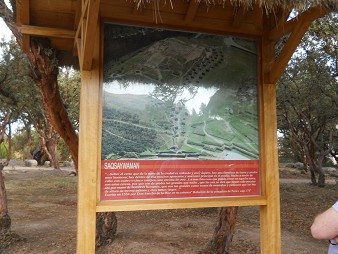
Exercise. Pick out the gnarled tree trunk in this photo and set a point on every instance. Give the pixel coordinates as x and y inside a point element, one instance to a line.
<point>321,175</point>
<point>224,231</point>
<point>45,72</point>
<point>311,165</point>
<point>5,220</point>
<point>49,145</point>
<point>106,225</point>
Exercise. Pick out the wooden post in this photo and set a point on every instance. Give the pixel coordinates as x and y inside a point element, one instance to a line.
<point>269,213</point>
<point>88,153</point>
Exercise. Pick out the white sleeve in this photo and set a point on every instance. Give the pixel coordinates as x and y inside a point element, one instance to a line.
<point>335,206</point>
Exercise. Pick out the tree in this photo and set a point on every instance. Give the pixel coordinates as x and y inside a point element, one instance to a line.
<point>45,70</point>
<point>11,72</point>
<point>5,219</point>
<point>224,232</point>
<point>18,87</point>
<point>307,98</point>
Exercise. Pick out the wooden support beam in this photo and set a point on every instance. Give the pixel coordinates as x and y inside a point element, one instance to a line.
<point>270,213</point>
<point>238,16</point>
<point>78,12</point>
<point>258,18</point>
<point>77,40</point>
<point>23,14</point>
<point>191,11</point>
<point>285,28</point>
<point>298,27</point>
<point>47,31</point>
<point>280,29</point>
<point>84,40</point>
<point>288,50</point>
<point>89,136</point>
<point>89,32</point>
<point>23,18</point>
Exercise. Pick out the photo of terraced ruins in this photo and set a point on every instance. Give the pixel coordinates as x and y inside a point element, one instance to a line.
<point>170,95</point>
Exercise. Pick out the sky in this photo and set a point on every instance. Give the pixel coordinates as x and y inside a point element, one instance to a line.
<point>4,31</point>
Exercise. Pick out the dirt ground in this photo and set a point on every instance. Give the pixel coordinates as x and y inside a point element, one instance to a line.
<point>43,211</point>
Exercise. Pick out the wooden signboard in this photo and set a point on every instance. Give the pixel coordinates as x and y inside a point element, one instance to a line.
<point>179,116</point>
<point>177,121</point>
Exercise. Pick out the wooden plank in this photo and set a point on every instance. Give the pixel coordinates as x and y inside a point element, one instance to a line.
<point>199,25</point>
<point>289,48</point>
<point>79,48</point>
<point>178,6</point>
<point>47,31</point>
<point>260,88</point>
<point>62,44</point>
<point>224,13</point>
<point>281,17</point>
<point>257,17</point>
<point>23,12</point>
<point>78,13</point>
<point>178,203</point>
<point>99,144</point>
<point>110,8</point>
<point>52,19</point>
<point>77,41</point>
<point>59,6</point>
<point>23,18</point>
<point>90,29</point>
<point>238,16</point>
<point>173,18</point>
<point>269,213</point>
<point>298,26</point>
<point>282,29</point>
<point>88,154</point>
<point>191,11</point>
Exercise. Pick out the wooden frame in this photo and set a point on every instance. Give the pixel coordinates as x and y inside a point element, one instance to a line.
<point>90,153</point>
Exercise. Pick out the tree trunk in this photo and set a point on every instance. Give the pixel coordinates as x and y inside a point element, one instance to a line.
<point>311,166</point>
<point>321,175</point>
<point>5,220</point>
<point>50,150</point>
<point>29,139</point>
<point>45,71</point>
<point>49,145</point>
<point>106,225</point>
<point>305,162</point>
<point>224,231</point>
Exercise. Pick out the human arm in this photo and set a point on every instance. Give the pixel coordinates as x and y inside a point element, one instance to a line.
<point>325,225</point>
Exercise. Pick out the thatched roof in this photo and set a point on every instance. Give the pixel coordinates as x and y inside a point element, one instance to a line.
<point>268,5</point>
